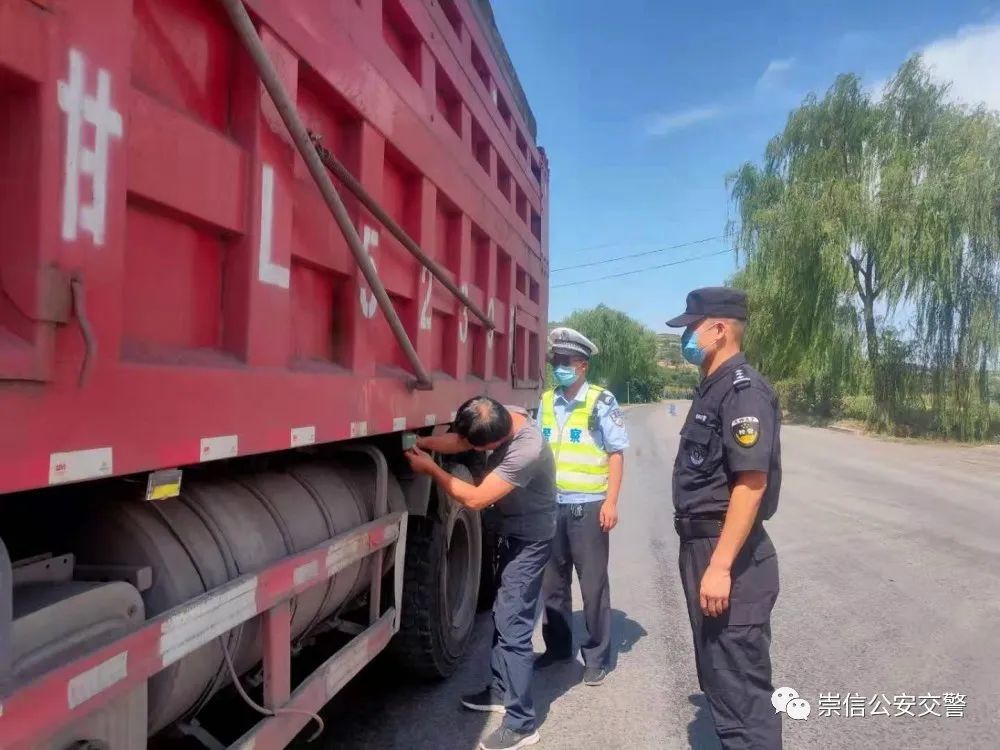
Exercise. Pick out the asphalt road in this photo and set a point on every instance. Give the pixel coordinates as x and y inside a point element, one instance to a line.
<point>890,574</point>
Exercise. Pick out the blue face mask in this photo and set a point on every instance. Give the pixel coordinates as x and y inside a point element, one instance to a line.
<point>565,375</point>
<point>690,349</point>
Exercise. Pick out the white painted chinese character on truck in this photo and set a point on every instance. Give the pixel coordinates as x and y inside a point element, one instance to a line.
<point>88,119</point>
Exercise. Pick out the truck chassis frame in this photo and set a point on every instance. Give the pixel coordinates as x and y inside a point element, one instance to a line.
<point>54,701</point>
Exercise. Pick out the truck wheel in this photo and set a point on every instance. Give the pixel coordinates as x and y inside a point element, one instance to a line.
<point>440,590</point>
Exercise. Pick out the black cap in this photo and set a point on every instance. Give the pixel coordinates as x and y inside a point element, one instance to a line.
<point>712,302</point>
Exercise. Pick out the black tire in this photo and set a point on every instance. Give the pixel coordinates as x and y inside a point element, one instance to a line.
<point>440,590</point>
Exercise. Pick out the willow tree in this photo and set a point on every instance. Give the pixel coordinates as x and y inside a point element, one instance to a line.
<point>954,273</point>
<point>627,363</point>
<point>826,225</point>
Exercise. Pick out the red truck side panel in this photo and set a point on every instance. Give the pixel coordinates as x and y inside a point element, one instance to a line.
<point>143,160</point>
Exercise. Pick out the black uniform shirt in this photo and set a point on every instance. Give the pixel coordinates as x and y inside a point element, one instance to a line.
<point>734,426</point>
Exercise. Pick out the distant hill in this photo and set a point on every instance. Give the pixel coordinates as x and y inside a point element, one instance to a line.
<point>668,350</point>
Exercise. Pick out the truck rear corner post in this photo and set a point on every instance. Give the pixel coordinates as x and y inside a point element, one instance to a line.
<point>210,347</point>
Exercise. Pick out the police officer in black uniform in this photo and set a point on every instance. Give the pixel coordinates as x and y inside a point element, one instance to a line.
<point>726,480</point>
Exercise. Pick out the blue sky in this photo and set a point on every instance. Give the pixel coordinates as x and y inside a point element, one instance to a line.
<point>644,106</point>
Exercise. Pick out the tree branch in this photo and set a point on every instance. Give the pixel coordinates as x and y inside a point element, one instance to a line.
<point>869,281</point>
<point>856,275</point>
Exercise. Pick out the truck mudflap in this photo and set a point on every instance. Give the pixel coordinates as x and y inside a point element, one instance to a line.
<point>55,701</point>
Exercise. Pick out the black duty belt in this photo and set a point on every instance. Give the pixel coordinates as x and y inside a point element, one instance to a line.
<point>691,527</point>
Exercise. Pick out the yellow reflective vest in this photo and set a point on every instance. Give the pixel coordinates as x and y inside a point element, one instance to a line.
<point>581,464</point>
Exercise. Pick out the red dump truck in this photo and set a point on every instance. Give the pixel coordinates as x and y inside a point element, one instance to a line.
<point>246,246</point>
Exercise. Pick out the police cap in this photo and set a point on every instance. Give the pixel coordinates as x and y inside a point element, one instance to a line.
<point>564,340</point>
<point>712,302</point>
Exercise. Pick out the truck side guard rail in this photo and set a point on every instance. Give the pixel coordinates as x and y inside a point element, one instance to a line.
<point>57,699</point>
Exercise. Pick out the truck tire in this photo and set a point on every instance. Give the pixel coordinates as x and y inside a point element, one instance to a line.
<point>440,590</point>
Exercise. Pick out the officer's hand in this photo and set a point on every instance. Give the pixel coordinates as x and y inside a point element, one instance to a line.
<point>609,516</point>
<point>715,587</point>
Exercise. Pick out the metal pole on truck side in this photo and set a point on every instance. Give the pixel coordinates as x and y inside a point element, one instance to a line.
<point>248,35</point>
<point>351,183</point>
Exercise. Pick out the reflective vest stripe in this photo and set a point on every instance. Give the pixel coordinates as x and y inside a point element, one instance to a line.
<point>581,464</point>
<point>591,471</point>
<point>573,479</point>
<point>581,458</point>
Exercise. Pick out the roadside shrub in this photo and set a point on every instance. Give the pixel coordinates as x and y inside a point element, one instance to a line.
<point>814,397</point>
<point>856,407</point>
<point>673,392</point>
<point>792,396</point>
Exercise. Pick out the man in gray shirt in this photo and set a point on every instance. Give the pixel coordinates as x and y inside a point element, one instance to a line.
<point>521,481</point>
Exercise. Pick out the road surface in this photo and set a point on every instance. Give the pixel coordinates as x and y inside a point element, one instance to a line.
<point>890,586</point>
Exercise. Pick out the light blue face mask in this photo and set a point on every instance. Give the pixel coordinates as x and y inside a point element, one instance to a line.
<point>565,375</point>
<point>690,349</point>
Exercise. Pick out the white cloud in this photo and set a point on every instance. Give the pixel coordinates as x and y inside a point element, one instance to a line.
<point>970,61</point>
<point>876,90</point>
<point>775,73</point>
<point>662,124</point>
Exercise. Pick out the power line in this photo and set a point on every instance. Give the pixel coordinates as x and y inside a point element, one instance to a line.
<point>639,255</point>
<point>642,270</point>
<point>617,243</point>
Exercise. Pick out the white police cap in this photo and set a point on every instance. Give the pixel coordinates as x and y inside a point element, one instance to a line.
<point>564,340</point>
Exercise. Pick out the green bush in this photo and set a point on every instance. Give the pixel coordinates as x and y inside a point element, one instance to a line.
<point>792,396</point>
<point>815,397</point>
<point>857,407</point>
<point>672,393</point>
<point>681,377</point>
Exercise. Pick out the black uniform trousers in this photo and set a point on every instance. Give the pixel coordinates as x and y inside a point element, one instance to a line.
<point>732,651</point>
<point>580,543</point>
<point>512,658</point>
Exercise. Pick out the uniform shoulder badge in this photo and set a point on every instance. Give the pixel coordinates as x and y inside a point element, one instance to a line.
<point>617,417</point>
<point>740,379</point>
<point>606,397</point>
<point>746,431</point>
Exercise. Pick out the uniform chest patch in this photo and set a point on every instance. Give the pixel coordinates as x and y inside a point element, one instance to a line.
<point>746,431</point>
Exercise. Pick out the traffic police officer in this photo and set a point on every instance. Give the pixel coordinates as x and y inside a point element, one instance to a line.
<point>726,480</point>
<point>586,430</point>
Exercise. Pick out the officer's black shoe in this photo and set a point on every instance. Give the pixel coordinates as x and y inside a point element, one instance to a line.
<point>509,739</point>
<point>484,700</point>
<point>594,676</point>
<point>548,659</point>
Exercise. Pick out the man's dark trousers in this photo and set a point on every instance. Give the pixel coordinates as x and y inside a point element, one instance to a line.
<point>522,563</point>
<point>732,652</point>
<point>580,543</point>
